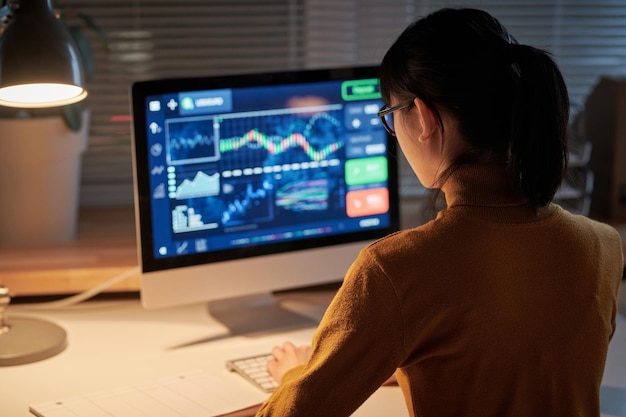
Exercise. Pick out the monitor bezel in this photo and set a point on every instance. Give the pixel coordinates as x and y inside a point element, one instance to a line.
<point>142,89</point>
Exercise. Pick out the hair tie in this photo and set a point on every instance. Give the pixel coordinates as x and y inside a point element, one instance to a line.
<point>512,48</point>
<point>517,70</point>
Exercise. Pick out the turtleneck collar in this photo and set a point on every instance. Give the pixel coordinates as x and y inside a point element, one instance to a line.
<point>486,190</point>
<point>481,185</point>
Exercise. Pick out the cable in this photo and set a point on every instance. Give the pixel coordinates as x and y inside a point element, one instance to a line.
<point>80,297</point>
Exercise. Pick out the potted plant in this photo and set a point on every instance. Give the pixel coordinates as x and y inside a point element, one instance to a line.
<point>41,154</point>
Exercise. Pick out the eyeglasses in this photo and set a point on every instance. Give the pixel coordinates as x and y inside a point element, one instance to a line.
<point>385,114</point>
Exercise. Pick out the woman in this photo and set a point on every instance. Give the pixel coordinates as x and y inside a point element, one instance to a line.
<point>504,305</point>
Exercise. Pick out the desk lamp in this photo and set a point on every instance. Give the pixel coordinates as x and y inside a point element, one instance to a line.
<point>27,339</point>
<point>39,62</point>
<point>39,67</point>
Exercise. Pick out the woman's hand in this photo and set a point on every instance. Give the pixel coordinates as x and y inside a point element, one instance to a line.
<point>287,357</point>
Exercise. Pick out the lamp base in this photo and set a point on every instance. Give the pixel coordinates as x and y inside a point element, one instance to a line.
<point>29,340</point>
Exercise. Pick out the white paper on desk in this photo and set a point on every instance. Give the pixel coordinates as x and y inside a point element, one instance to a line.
<point>190,394</point>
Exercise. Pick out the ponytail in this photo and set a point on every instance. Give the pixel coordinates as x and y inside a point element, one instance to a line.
<point>539,122</point>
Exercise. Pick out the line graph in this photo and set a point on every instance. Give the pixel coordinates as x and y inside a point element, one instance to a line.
<point>247,203</point>
<point>191,140</point>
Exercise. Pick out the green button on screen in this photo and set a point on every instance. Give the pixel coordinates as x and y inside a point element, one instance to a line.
<point>360,89</point>
<point>366,170</point>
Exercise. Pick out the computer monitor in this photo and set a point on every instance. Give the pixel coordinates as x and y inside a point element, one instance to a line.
<point>255,183</point>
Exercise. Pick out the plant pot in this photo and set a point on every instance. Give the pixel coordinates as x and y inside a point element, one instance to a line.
<point>40,162</point>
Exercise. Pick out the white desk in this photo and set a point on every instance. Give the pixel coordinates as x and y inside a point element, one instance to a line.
<point>117,343</point>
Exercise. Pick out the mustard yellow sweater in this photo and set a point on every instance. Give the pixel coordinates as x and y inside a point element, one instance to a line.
<point>491,309</point>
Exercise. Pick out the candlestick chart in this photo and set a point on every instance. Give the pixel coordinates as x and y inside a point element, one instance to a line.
<point>280,138</point>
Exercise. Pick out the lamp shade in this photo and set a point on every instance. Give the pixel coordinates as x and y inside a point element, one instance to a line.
<point>39,62</point>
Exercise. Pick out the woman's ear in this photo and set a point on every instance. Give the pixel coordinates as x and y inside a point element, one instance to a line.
<point>427,121</point>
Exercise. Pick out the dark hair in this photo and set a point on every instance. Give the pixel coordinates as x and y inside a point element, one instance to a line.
<point>507,97</point>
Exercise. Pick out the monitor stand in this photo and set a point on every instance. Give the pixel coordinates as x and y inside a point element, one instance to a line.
<point>256,314</point>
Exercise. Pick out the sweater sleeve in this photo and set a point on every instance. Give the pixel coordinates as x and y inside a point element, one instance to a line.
<point>357,346</point>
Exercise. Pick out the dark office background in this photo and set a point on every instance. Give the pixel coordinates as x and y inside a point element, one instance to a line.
<point>164,38</point>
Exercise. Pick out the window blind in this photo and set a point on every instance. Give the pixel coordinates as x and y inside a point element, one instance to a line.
<point>159,38</point>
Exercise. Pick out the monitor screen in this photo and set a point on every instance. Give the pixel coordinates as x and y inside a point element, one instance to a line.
<point>255,183</point>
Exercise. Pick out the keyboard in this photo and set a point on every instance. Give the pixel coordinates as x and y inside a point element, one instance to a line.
<point>254,369</point>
